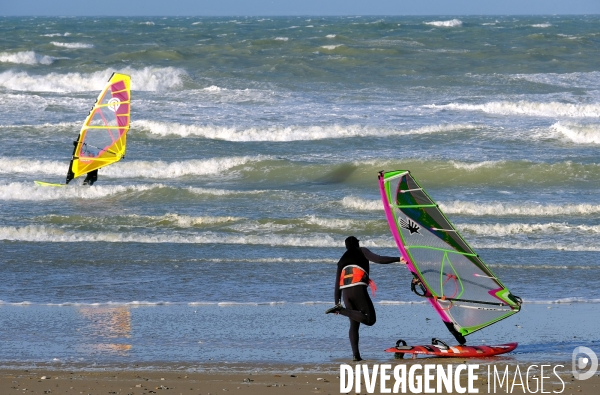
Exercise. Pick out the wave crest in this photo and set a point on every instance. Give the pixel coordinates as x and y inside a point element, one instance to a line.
<point>25,57</point>
<point>551,109</point>
<point>146,79</point>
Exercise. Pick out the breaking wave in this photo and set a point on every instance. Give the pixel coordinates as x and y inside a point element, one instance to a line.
<point>578,134</point>
<point>72,45</point>
<point>492,209</point>
<point>26,57</point>
<point>552,109</point>
<point>132,169</point>
<point>450,23</point>
<point>290,133</point>
<point>146,79</point>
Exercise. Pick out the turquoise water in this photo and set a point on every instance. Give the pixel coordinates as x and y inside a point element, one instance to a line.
<point>254,151</point>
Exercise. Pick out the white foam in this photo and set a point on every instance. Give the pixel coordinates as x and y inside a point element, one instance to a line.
<point>561,301</point>
<point>52,234</point>
<point>212,88</point>
<point>524,228</point>
<point>542,25</point>
<point>477,165</point>
<point>450,23</point>
<point>331,36</point>
<point>223,192</point>
<point>132,169</point>
<point>549,245</point>
<point>182,221</point>
<point>551,109</point>
<point>289,133</point>
<point>334,223</point>
<point>578,134</point>
<point>360,204</point>
<point>331,47</point>
<point>72,45</point>
<point>25,57</point>
<point>146,79</point>
<point>499,209</point>
<point>30,191</point>
<point>524,209</point>
<point>56,34</point>
<point>166,170</point>
<point>584,80</point>
<point>281,38</point>
<point>28,166</point>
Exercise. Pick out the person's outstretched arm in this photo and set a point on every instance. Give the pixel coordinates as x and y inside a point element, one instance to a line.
<point>371,256</point>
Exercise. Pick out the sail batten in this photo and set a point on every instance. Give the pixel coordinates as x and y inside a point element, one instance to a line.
<point>457,283</point>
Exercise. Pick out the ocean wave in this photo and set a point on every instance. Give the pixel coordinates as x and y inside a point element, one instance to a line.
<point>146,79</point>
<point>30,191</point>
<point>72,45</point>
<point>200,304</point>
<point>169,219</point>
<point>525,209</point>
<point>578,134</point>
<point>330,47</point>
<point>449,23</point>
<point>551,109</point>
<point>56,34</point>
<point>543,267</point>
<point>552,245</point>
<point>561,301</point>
<point>492,209</point>
<point>586,80</point>
<point>131,169</point>
<point>160,169</point>
<point>52,234</point>
<point>290,133</point>
<point>360,204</point>
<point>25,57</point>
<point>542,25</point>
<point>499,230</point>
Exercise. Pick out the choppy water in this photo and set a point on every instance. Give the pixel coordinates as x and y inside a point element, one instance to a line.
<point>255,146</point>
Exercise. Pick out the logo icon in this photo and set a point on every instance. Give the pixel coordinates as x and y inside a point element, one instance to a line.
<point>582,358</point>
<point>114,104</point>
<point>410,225</point>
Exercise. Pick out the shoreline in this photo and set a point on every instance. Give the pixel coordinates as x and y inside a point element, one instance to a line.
<point>251,379</point>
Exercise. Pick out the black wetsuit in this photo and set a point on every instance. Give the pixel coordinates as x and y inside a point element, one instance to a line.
<point>91,177</point>
<point>359,307</point>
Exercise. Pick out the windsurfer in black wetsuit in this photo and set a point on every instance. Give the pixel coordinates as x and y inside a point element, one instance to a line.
<point>90,178</point>
<point>351,282</point>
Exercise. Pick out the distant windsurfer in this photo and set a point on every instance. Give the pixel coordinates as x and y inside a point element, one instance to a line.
<point>351,280</point>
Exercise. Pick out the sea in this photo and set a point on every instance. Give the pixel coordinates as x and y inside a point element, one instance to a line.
<point>254,151</point>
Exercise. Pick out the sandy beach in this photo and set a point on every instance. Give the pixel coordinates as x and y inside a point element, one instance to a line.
<point>255,380</point>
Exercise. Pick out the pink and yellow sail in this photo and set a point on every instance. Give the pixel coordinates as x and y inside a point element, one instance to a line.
<point>102,139</point>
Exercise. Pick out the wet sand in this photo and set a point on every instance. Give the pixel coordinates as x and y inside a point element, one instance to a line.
<point>177,382</point>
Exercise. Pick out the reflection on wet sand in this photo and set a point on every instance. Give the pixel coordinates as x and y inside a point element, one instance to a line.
<point>105,326</point>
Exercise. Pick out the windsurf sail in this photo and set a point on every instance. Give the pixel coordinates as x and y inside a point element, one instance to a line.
<point>466,294</point>
<point>102,139</point>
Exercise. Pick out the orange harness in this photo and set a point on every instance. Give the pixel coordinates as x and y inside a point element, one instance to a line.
<point>353,275</point>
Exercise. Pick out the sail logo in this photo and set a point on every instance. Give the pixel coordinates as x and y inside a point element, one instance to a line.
<point>410,225</point>
<point>114,104</point>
